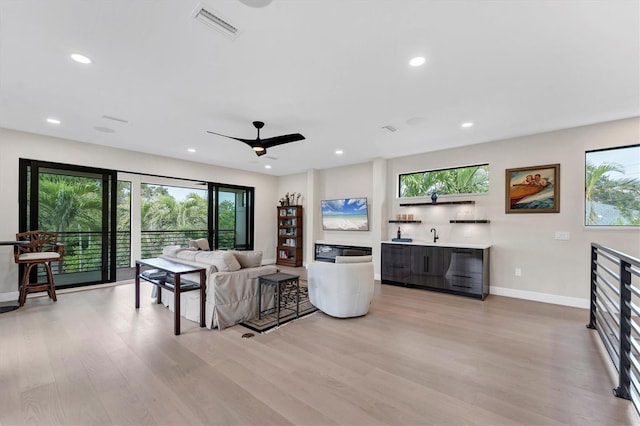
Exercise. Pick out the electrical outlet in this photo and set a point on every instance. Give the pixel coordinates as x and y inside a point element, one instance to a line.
<point>563,235</point>
<point>518,272</point>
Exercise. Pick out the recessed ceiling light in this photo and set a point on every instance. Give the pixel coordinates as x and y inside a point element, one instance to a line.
<point>53,121</point>
<point>267,166</point>
<point>80,58</point>
<point>417,61</point>
<point>191,150</point>
<point>339,152</point>
<point>414,121</point>
<point>256,3</point>
<point>468,124</point>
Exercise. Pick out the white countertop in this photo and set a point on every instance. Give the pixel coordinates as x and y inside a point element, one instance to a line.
<point>439,244</point>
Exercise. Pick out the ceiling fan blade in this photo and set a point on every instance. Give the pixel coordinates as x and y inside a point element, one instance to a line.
<point>279,140</point>
<point>250,142</point>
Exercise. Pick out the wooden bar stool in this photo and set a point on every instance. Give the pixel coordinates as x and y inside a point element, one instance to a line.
<point>42,249</point>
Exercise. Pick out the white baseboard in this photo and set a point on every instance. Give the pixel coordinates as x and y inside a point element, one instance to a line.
<point>9,297</point>
<point>540,297</point>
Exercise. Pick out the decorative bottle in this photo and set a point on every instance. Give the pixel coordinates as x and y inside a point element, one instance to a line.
<point>399,233</point>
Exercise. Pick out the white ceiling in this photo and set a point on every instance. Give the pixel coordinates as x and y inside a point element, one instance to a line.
<point>334,70</point>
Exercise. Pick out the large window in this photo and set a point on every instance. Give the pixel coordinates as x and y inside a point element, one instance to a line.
<point>459,180</point>
<point>612,187</point>
<point>171,215</point>
<point>176,214</point>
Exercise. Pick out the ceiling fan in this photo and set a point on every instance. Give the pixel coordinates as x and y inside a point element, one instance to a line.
<point>260,145</point>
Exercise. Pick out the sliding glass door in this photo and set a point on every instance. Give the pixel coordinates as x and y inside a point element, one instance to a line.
<point>78,203</point>
<point>234,218</point>
<point>106,223</point>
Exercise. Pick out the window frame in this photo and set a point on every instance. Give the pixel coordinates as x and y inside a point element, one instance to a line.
<point>584,196</point>
<point>463,194</point>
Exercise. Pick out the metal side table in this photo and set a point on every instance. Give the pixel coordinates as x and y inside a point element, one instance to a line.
<point>284,285</point>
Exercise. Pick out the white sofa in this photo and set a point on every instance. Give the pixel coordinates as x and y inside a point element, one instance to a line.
<point>232,285</point>
<point>342,289</point>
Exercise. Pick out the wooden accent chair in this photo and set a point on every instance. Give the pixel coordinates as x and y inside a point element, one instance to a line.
<point>42,248</point>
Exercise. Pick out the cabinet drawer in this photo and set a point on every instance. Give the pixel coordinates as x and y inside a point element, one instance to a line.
<point>464,286</point>
<point>395,272</point>
<point>464,276</point>
<point>467,260</point>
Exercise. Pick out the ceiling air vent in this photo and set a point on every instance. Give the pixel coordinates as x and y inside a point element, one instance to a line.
<point>214,21</point>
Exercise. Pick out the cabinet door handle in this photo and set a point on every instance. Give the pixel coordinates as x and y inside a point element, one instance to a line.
<point>461,286</point>
<point>462,276</point>
<point>426,263</point>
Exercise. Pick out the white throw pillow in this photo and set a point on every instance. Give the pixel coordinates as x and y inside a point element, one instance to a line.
<point>224,261</point>
<point>248,259</point>
<point>171,250</point>
<point>199,244</point>
<point>353,259</point>
<point>187,254</point>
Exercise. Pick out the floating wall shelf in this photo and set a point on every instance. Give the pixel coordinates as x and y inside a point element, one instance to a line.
<point>440,203</point>
<point>470,221</point>
<point>405,221</point>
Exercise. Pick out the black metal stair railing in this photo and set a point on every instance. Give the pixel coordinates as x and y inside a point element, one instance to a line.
<point>615,313</point>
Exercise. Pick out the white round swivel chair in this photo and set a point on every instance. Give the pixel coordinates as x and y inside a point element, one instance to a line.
<point>343,289</point>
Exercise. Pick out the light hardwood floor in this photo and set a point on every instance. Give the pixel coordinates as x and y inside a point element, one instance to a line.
<point>417,358</point>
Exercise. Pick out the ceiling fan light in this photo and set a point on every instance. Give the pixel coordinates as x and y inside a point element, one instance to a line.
<point>258,148</point>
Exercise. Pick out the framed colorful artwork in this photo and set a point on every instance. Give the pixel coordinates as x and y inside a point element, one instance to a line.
<point>533,189</point>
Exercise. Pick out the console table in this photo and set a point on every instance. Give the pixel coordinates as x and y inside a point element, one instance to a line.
<point>178,286</point>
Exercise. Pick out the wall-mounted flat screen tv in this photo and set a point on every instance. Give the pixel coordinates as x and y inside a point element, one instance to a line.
<point>346,214</point>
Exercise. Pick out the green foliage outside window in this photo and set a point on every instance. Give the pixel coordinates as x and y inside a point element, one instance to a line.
<point>612,187</point>
<point>69,203</point>
<point>460,180</point>
<point>73,205</point>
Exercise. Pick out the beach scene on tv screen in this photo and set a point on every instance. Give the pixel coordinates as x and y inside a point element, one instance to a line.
<point>349,214</point>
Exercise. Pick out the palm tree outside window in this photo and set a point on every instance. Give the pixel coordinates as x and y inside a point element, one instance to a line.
<point>612,186</point>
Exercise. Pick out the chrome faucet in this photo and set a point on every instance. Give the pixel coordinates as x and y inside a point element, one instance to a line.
<point>435,234</point>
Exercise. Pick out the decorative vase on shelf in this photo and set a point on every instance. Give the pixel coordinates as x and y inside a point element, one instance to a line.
<point>434,197</point>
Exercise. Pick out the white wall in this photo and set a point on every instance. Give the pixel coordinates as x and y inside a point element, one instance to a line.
<point>552,270</point>
<point>15,145</point>
<point>339,182</point>
<point>297,183</point>
<point>345,182</point>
